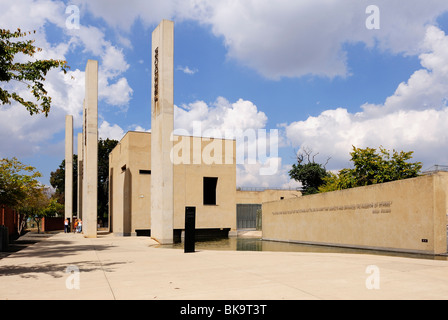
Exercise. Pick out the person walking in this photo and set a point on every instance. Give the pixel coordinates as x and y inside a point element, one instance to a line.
<point>79,226</point>
<point>66,225</point>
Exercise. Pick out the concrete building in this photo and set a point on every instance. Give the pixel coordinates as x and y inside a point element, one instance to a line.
<point>210,188</point>
<point>256,196</point>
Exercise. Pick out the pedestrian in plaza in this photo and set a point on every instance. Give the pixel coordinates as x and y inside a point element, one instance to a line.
<point>66,225</point>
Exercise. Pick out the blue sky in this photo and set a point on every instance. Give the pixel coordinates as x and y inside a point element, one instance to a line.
<point>310,69</point>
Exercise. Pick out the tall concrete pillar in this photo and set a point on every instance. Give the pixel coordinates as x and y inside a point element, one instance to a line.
<point>69,167</point>
<point>90,172</point>
<point>162,125</point>
<point>80,168</point>
<point>83,189</point>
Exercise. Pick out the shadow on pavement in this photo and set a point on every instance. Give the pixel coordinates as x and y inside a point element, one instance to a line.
<point>49,249</point>
<point>24,241</point>
<point>56,270</point>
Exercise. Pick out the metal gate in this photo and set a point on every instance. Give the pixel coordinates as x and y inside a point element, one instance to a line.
<point>246,215</point>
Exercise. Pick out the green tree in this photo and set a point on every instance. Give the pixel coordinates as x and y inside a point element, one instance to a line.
<point>57,178</point>
<point>39,204</point>
<point>16,181</point>
<point>57,181</point>
<point>372,166</point>
<point>105,147</point>
<point>308,172</point>
<point>343,180</point>
<point>32,74</point>
<point>54,209</point>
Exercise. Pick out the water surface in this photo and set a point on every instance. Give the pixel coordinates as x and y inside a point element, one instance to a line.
<point>256,244</point>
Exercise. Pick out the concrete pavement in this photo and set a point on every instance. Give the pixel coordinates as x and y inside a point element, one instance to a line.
<point>69,266</point>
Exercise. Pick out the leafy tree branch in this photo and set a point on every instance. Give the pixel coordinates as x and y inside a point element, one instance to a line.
<point>32,74</point>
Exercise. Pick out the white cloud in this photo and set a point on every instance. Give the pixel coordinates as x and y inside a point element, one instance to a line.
<point>414,118</point>
<point>258,163</point>
<point>248,175</point>
<point>123,14</point>
<point>221,116</point>
<point>67,93</point>
<point>113,88</point>
<point>89,38</point>
<point>29,15</point>
<point>113,131</point>
<point>427,87</point>
<point>117,94</point>
<point>27,135</point>
<point>187,70</point>
<point>114,60</point>
<point>286,38</point>
<point>334,132</point>
<point>107,131</point>
<point>291,38</point>
<point>138,128</point>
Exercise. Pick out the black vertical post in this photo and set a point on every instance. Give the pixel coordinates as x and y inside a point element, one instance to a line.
<point>4,238</point>
<point>190,229</point>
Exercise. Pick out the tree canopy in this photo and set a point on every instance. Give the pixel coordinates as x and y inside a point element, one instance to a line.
<point>105,147</point>
<point>16,181</point>
<point>373,166</point>
<point>20,190</point>
<point>308,172</point>
<point>39,204</point>
<point>30,73</point>
<point>57,181</point>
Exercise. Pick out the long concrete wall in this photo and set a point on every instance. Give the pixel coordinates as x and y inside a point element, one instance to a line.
<point>258,197</point>
<point>407,215</point>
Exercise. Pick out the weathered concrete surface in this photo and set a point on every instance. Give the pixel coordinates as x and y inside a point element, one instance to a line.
<point>90,154</point>
<point>162,126</point>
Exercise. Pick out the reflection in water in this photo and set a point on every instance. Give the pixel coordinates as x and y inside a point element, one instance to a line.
<point>255,244</point>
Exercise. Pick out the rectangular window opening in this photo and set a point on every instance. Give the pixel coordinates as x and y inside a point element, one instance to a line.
<point>210,191</point>
<point>145,171</point>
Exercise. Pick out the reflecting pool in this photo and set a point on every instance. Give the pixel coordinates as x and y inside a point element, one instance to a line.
<point>257,244</point>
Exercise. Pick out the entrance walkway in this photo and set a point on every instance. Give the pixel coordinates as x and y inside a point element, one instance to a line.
<point>136,268</point>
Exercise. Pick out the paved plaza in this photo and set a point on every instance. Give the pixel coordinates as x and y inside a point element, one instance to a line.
<point>69,266</point>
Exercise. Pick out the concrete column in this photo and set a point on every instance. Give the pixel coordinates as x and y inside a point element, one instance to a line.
<point>69,167</point>
<point>90,174</point>
<point>84,181</point>
<point>80,168</point>
<point>162,125</point>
